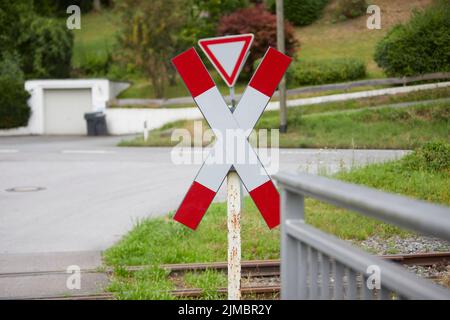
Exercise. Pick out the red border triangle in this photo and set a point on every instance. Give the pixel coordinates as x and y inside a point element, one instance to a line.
<point>229,79</point>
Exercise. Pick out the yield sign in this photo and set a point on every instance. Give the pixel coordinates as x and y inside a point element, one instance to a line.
<point>227,54</point>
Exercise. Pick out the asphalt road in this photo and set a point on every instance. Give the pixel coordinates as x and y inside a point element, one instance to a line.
<point>93,192</point>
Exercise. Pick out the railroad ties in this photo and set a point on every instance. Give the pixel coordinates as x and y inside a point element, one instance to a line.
<point>260,277</point>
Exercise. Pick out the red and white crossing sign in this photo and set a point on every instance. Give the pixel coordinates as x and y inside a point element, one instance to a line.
<point>215,110</point>
<point>227,54</point>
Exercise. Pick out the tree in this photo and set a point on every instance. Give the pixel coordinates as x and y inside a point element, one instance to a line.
<point>14,18</point>
<point>263,24</point>
<point>52,8</point>
<point>14,111</point>
<point>42,45</point>
<point>46,49</point>
<point>150,36</point>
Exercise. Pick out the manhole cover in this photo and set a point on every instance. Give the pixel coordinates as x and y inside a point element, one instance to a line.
<point>25,189</point>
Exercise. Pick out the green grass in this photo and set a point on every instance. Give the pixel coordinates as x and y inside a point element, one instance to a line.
<point>143,89</point>
<point>208,281</point>
<point>361,127</point>
<point>150,283</point>
<point>422,175</point>
<point>97,35</point>
<point>325,39</point>
<point>387,128</point>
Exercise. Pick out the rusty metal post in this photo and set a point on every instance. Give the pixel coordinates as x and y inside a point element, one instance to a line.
<point>234,235</point>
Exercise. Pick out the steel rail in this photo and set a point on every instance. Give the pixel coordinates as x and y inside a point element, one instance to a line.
<point>257,268</point>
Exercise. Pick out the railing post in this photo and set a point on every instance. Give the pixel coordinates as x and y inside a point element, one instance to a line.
<point>307,253</point>
<point>292,208</point>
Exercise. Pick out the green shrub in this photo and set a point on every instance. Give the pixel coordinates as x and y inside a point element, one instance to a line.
<point>97,65</point>
<point>326,71</point>
<point>46,49</point>
<point>349,9</point>
<point>433,156</point>
<point>420,46</point>
<point>14,111</point>
<point>301,12</point>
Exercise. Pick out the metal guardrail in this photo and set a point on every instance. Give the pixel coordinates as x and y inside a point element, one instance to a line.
<point>316,265</point>
<point>292,92</point>
<point>370,82</point>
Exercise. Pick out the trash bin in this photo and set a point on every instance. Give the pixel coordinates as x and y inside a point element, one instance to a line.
<point>96,124</point>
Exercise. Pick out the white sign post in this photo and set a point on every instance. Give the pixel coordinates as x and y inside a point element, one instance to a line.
<point>228,55</point>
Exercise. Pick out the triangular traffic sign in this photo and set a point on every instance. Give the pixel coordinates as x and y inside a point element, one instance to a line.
<point>227,54</point>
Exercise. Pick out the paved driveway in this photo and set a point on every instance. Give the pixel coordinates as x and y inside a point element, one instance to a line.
<point>93,192</point>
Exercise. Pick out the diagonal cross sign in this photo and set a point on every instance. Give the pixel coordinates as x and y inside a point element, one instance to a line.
<point>219,117</point>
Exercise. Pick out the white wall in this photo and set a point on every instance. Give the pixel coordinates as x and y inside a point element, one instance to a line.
<point>129,121</point>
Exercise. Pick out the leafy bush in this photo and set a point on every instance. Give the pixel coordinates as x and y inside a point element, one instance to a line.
<point>349,9</point>
<point>262,24</point>
<point>301,12</point>
<point>14,111</point>
<point>326,71</point>
<point>97,65</point>
<point>46,49</point>
<point>433,156</point>
<point>420,46</point>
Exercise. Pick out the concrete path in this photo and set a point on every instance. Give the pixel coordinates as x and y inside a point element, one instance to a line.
<point>92,193</point>
<point>46,274</point>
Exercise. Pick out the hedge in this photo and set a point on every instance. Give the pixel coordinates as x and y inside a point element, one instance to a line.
<point>349,9</point>
<point>301,12</point>
<point>317,72</point>
<point>420,46</point>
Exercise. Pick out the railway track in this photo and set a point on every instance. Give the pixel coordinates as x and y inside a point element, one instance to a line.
<point>250,269</point>
<point>262,268</point>
<point>179,293</point>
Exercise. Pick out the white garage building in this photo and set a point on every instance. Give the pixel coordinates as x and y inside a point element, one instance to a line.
<point>58,106</point>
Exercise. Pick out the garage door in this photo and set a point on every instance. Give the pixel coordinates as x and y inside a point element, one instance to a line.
<point>64,110</point>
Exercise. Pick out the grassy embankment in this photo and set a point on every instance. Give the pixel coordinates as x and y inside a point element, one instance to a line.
<point>321,40</point>
<point>423,175</point>
<point>348,124</point>
<point>96,37</point>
